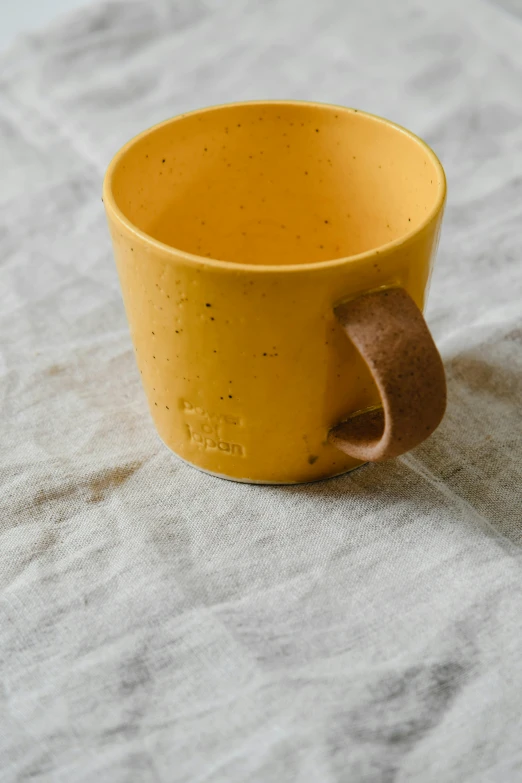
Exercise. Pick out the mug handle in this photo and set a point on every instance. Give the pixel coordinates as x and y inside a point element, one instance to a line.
<point>390,333</point>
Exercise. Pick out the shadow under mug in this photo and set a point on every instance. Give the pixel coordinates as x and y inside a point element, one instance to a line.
<point>274,258</point>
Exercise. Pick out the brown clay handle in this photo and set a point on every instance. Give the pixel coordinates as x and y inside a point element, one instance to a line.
<point>390,333</point>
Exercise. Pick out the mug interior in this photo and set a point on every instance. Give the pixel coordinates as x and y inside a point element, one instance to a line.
<point>276,183</point>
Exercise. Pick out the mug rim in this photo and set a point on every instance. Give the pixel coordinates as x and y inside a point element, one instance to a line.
<point>176,253</point>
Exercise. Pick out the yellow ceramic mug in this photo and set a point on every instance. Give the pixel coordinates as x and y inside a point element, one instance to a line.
<point>274,258</point>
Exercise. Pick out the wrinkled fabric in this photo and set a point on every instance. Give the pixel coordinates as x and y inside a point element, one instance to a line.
<point>159,624</point>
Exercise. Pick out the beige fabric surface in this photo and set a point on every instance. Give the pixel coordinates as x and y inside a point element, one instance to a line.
<point>157,624</point>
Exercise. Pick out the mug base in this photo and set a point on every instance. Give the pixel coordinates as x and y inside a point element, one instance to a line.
<point>263,483</point>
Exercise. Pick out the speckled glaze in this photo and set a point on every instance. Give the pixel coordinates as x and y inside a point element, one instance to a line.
<point>237,231</point>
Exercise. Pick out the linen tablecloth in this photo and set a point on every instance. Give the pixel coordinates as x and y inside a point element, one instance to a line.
<point>158,624</point>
